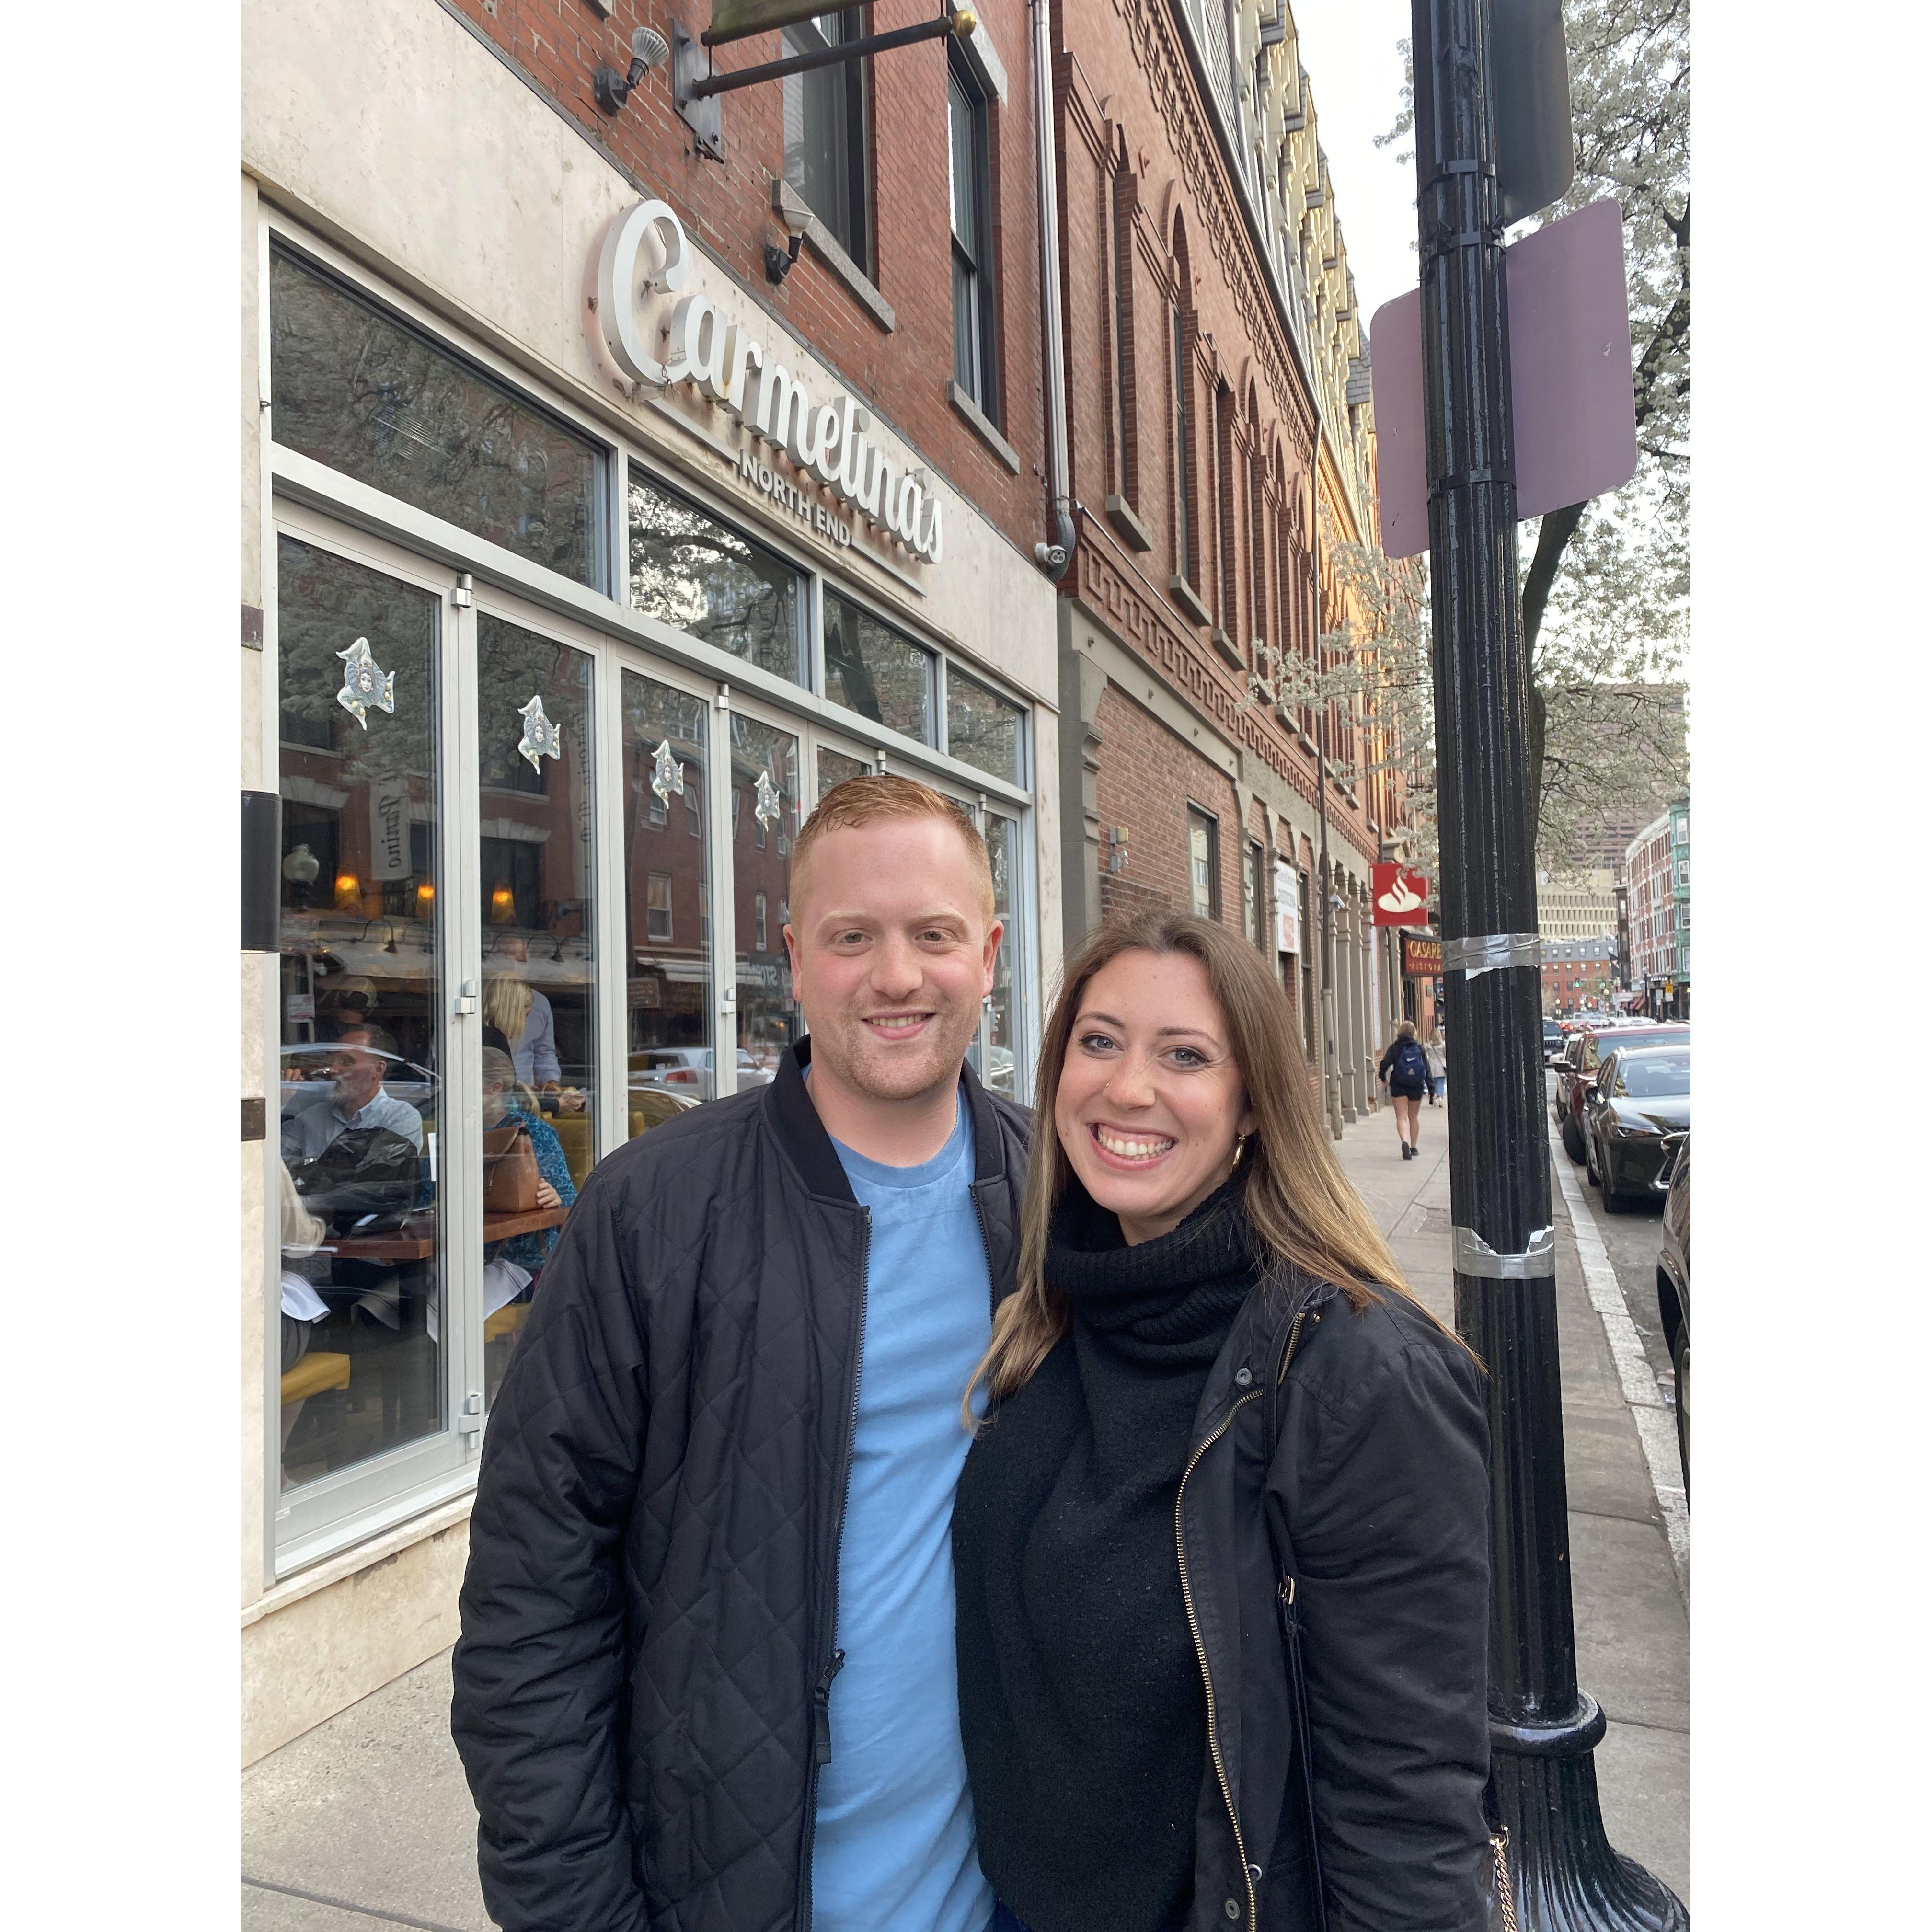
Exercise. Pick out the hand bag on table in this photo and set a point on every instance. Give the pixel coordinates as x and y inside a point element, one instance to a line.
<point>509,1171</point>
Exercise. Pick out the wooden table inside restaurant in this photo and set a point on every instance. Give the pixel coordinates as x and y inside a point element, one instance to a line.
<point>416,1239</point>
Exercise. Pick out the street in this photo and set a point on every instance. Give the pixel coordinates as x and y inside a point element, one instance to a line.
<point>1631,1238</point>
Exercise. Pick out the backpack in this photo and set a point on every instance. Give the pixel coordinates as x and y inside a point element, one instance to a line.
<point>1411,1065</point>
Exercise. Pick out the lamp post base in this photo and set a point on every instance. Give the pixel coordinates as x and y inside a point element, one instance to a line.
<point>1567,1877</point>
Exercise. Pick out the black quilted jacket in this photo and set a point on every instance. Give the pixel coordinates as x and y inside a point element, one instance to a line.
<point>649,1614</point>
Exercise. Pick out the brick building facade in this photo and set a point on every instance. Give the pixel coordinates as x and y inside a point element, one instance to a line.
<point>1210,324</point>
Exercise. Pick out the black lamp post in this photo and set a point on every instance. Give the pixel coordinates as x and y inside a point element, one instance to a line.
<point>1544,1728</point>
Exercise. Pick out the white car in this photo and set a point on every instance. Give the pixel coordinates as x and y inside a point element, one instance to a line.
<point>689,1070</point>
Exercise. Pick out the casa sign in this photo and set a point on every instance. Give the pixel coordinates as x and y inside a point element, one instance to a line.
<point>642,263</point>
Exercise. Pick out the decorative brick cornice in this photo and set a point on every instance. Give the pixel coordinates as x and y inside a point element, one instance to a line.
<point>1154,36</point>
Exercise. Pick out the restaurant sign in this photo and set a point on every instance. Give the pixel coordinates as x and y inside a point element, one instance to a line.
<point>642,261</point>
<point>1421,958</point>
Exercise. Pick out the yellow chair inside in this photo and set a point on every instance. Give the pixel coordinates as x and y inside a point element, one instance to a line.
<point>315,1374</point>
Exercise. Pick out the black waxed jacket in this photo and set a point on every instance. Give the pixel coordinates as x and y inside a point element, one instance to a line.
<point>1349,1452</point>
<point>649,1615</point>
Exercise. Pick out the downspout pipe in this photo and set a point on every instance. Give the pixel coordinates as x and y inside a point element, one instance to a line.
<point>1055,557</point>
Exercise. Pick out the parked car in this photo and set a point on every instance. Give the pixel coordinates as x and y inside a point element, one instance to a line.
<point>1673,1293</point>
<point>1636,1113</point>
<point>1552,1042</point>
<point>1582,1054</point>
<point>687,1070</point>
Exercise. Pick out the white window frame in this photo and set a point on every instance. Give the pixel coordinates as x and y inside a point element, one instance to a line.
<point>342,514</point>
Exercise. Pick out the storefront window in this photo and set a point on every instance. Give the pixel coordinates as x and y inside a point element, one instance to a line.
<point>981,728</point>
<point>667,763</point>
<point>360,391</point>
<point>361,1047</point>
<point>764,822</point>
<point>688,570</point>
<point>834,768</point>
<point>1005,1020</point>
<point>871,669</point>
<point>537,1073</point>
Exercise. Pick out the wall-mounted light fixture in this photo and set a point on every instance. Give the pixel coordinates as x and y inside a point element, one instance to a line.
<point>649,48</point>
<point>778,261</point>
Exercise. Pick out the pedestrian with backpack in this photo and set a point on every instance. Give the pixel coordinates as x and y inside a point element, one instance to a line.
<point>1404,1070</point>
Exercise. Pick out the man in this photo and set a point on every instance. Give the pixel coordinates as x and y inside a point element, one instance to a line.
<point>355,1098</point>
<point>705,1681</point>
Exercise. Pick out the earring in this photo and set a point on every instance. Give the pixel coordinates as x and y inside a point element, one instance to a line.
<point>1240,1141</point>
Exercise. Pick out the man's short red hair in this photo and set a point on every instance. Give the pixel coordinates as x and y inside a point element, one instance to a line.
<point>864,801</point>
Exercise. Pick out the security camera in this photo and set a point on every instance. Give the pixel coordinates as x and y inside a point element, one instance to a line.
<point>649,48</point>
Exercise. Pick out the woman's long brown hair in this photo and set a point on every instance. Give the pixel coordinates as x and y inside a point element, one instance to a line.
<point>1299,1204</point>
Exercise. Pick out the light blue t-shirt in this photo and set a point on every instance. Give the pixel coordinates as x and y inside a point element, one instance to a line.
<point>894,1850</point>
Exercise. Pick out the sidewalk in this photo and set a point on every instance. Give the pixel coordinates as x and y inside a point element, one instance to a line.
<point>366,1821</point>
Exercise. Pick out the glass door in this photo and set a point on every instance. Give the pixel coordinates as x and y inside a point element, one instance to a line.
<point>670,995</point>
<point>766,774</point>
<point>534,1075</point>
<point>363,669</point>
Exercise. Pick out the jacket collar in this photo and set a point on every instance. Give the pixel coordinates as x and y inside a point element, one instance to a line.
<point>795,1121</point>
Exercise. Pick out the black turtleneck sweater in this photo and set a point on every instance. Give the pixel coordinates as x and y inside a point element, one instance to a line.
<point>1082,1706</point>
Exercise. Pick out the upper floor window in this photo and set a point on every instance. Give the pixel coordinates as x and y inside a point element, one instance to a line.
<point>825,144</point>
<point>1183,504</point>
<point>973,333</point>
<point>1122,234</point>
<point>1203,864</point>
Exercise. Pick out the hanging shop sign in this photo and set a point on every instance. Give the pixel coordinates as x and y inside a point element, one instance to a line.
<point>1287,909</point>
<point>658,337</point>
<point>1401,895</point>
<point>1421,958</point>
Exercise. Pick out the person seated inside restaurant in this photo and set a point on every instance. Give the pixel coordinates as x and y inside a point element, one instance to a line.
<point>506,1101</point>
<point>352,1098</point>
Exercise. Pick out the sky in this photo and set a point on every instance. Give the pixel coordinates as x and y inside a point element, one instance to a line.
<point>1354,73</point>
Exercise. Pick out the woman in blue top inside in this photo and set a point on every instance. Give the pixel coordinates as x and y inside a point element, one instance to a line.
<point>504,1101</point>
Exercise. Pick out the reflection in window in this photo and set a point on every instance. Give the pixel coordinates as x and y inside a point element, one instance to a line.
<point>359,389</point>
<point>764,770</point>
<point>981,728</point>
<point>834,768</point>
<point>825,131</point>
<point>1006,1020</point>
<point>690,571</point>
<point>668,976</point>
<point>871,669</point>
<point>361,1101</point>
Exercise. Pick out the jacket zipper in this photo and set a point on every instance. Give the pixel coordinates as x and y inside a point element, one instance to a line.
<point>1200,1649</point>
<point>986,1243</point>
<point>821,1696</point>
<point>1193,1623</point>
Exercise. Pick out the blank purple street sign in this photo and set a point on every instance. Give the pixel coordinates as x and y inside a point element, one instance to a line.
<point>1570,391</point>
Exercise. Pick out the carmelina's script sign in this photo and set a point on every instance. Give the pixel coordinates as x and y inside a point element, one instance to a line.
<point>642,262</point>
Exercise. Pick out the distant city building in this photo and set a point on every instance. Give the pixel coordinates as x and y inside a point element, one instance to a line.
<point>1578,975</point>
<point>1656,868</point>
<point>1576,905</point>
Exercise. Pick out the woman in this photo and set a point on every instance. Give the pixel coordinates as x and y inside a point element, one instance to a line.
<point>504,1101</point>
<point>1214,1414</point>
<point>1437,1054</point>
<point>1405,1071</point>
